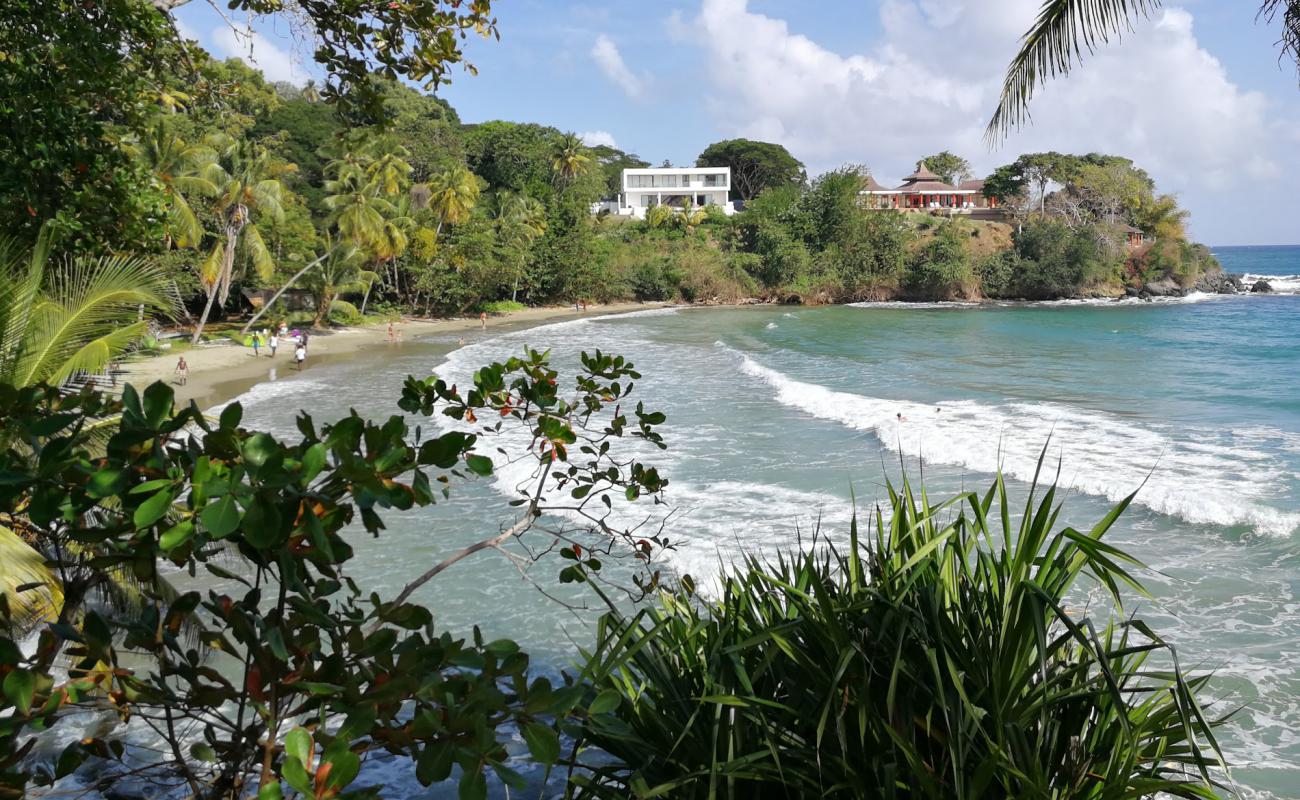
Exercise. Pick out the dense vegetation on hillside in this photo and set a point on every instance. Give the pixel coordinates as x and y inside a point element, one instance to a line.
<point>237,185</point>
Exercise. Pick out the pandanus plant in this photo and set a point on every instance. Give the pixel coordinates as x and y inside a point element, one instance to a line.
<point>953,656</point>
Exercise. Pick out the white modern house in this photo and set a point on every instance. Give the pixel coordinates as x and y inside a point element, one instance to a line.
<point>644,189</point>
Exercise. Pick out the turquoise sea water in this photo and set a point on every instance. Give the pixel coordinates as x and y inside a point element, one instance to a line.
<point>777,415</point>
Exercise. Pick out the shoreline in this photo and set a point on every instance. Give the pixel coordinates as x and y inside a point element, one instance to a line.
<point>220,373</point>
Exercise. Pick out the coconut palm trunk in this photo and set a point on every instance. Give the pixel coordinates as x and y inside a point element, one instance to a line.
<point>221,286</point>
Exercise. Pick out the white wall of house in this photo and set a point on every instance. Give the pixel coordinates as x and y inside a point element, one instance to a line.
<point>644,189</point>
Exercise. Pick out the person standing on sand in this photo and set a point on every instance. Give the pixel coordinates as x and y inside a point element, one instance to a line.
<point>482,320</point>
<point>257,341</point>
<point>300,355</point>
<point>274,342</point>
<point>391,337</point>
<point>183,370</point>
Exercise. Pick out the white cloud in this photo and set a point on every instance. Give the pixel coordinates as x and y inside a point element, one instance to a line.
<point>932,80</point>
<point>276,63</point>
<point>596,138</point>
<point>611,62</point>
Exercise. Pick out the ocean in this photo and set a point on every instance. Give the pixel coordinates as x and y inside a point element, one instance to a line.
<point>781,418</point>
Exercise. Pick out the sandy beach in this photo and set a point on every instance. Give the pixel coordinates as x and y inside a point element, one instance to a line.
<point>220,372</point>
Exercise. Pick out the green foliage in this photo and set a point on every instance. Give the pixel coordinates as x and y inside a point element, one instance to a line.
<point>946,656</point>
<point>74,77</point>
<point>289,638</point>
<point>755,166</point>
<point>501,306</point>
<point>951,169</point>
<point>942,269</point>
<point>1055,260</point>
<point>78,313</point>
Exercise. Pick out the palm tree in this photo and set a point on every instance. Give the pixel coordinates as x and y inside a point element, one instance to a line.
<point>177,166</point>
<point>518,220</point>
<point>78,314</point>
<point>452,195</point>
<point>59,317</point>
<point>356,208</point>
<point>341,272</point>
<point>690,215</point>
<point>571,159</point>
<point>247,181</point>
<point>1064,29</point>
<point>387,166</point>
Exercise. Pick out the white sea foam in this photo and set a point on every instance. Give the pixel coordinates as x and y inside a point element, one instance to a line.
<point>1282,284</point>
<point>1199,480</point>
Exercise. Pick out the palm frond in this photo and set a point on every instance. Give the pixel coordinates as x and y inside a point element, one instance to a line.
<point>24,568</point>
<point>1063,31</point>
<point>258,253</point>
<point>83,300</point>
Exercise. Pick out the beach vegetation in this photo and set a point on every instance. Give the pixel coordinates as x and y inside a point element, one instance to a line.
<point>63,314</point>
<point>284,672</point>
<point>965,648</point>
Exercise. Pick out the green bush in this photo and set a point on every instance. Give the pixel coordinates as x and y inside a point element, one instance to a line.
<point>947,658</point>
<point>501,306</point>
<point>650,283</point>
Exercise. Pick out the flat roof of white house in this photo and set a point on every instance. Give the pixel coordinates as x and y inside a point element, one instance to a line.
<point>663,170</point>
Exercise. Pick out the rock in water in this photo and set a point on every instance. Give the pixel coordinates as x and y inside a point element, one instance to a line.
<point>1261,287</point>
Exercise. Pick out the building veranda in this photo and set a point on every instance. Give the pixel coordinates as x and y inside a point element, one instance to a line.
<point>925,191</point>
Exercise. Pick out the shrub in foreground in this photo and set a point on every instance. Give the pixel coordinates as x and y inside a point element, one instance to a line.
<point>945,659</point>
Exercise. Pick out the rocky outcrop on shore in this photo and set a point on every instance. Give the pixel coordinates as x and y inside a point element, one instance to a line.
<point>1261,287</point>
<point>1219,283</point>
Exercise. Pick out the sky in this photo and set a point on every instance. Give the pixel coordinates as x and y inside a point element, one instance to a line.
<point>1195,95</point>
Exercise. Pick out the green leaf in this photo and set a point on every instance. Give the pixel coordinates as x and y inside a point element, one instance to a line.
<point>106,483</point>
<point>270,791</point>
<point>222,517</point>
<point>479,465</point>
<point>346,765</point>
<point>177,535</point>
<point>258,449</point>
<point>434,764</point>
<point>313,461</point>
<point>20,687</point>
<point>205,753</point>
<point>231,415</point>
<point>152,509</point>
<point>543,742</point>
<point>473,785</point>
<point>262,524</point>
<point>605,702</point>
<point>275,641</point>
<point>298,745</point>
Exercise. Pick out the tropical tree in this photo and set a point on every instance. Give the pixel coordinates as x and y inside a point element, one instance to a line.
<point>951,168</point>
<point>518,221</point>
<point>341,272</point>
<point>1065,29</point>
<point>755,166</point>
<point>689,215</point>
<point>75,315</point>
<point>572,159</point>
<point>248,184</point>
<point>452,194</point>
<point>56,319</point>
<point>178,168</point>
<point>356,208</point>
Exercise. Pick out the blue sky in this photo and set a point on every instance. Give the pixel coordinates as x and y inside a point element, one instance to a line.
<point>1195,95</point>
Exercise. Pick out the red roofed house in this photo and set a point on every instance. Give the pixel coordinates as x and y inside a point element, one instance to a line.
<point>923,191</point>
